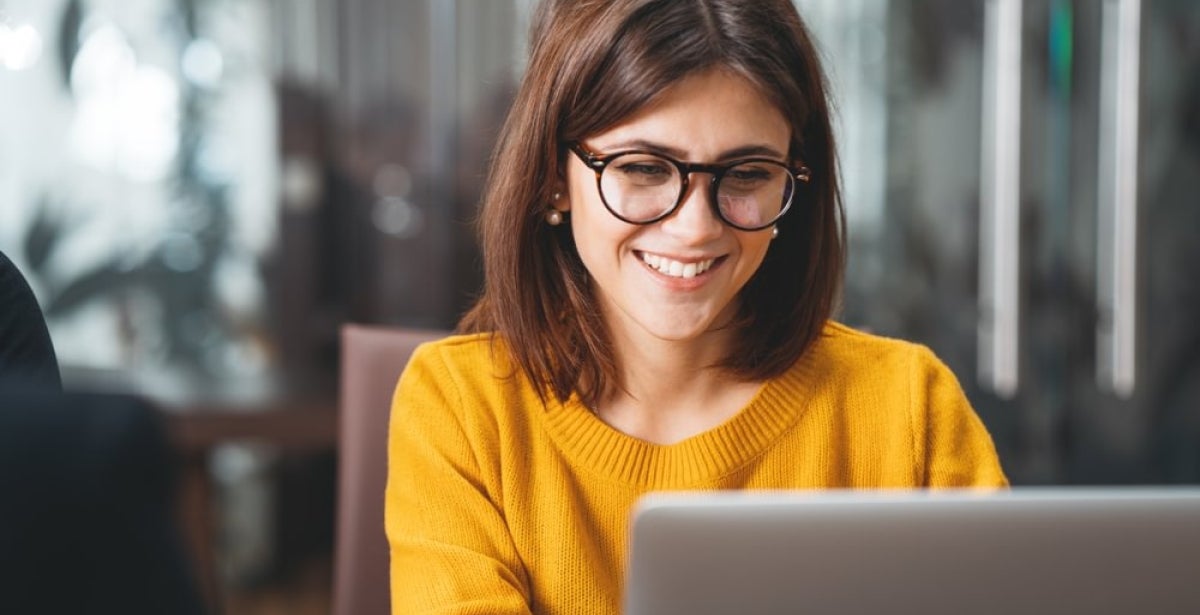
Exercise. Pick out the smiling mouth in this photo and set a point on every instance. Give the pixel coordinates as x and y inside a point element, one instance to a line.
<point>674,268</point>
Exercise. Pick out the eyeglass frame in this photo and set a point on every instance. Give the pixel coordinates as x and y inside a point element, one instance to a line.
<point>599,162</point>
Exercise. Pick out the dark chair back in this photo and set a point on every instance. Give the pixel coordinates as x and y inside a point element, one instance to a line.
<point>372,359</point>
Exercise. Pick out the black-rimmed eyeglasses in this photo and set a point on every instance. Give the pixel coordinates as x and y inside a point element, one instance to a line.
<point>641,187</point>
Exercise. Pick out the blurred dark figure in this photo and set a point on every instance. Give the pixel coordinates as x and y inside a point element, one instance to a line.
<point>86,508</point>
<point>86,486</point>
<point>27,359</point>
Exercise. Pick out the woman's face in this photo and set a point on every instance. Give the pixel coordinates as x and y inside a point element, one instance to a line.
<point>679,277</point>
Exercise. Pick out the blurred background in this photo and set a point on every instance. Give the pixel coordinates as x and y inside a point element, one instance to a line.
<point>201,191</point>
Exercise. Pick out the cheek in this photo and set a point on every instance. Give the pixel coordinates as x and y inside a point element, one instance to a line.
<point>591,223</point>
<point>754,250</point>
<point>589,232</point>
<point>580,184</point>
<point>596,239</point>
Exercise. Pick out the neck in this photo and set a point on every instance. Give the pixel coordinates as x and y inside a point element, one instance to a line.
<point>652,367</point>
<point>671,390</point>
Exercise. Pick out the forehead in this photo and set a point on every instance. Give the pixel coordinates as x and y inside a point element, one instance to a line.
<point>703,116</point>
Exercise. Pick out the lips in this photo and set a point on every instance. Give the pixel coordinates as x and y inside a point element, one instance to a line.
<point>677,269</point>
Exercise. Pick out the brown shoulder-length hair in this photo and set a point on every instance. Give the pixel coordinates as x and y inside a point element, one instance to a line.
<point>593,64</point>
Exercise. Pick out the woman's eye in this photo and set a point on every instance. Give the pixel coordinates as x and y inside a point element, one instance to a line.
<point>749,175</point>
<point>644,169</point>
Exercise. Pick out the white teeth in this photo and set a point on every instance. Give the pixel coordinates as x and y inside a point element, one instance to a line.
<point>675,268</point>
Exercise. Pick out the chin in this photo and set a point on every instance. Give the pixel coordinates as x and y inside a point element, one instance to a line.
<point>676,331</point>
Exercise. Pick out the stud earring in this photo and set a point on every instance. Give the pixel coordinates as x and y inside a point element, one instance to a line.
<point>557,196</point>
<point>554,217</point>
<point>774,232</point>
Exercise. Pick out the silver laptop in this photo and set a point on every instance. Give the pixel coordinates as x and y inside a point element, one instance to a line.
<point>1032,550</point>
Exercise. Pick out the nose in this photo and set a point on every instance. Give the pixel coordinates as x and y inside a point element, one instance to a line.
<point>695,221</point>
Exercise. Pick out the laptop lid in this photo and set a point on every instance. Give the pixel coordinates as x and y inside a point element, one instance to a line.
<point>1033,550</point>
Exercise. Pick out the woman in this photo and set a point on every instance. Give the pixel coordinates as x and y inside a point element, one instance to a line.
<point>662,244</point>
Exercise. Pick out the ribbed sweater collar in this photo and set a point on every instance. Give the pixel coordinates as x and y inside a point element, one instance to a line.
<point>594,446</point>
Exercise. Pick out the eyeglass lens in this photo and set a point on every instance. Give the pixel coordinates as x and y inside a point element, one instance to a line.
<point>642,187</point>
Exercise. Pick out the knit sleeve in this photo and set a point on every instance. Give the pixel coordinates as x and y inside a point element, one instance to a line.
<point>954,447</point>
<point>451,551</point>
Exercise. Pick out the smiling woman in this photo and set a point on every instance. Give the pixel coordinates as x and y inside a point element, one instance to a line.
<point>639,270</point>
<point>663,246</point>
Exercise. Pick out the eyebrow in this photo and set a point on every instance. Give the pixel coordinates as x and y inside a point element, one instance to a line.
<point>744,151</point>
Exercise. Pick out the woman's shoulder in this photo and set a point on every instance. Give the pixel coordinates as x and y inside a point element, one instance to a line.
<point>459,343</point>
<point>877,378</point>
<point>468,381</point>
<point>471,359</point>
<point>457,348</point>
<point>847,343</point>
<point>853,354</point>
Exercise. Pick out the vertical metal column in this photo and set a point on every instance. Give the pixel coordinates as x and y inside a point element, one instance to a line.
<point>999,199</point>
<point>1116,283</point>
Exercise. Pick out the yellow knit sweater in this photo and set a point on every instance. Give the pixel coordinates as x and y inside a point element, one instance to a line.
<point>496,504</point>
